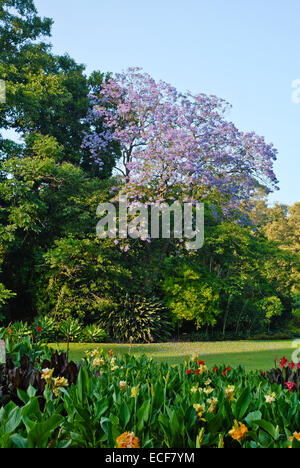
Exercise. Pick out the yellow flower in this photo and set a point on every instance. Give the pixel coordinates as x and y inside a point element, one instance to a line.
<point>199,410</point>
<point>134,391</point>
<point>239,431</point>
<point>229,392</point>
<point>194,389</point>
<point>213,405</point>
<point>198,407</point>
<point>194,357</point>
<point>123,385</point>
<point>212,400</point>
<point>94,353</point>
<point>270,397</point>
<point>208,390</point>
<point>60,382</point>
<point>202,369</point>
<point>208,382</point>
<point>113,365</point>
<point>98,361</point>
<point>47,375</point>
<point>128,440</point>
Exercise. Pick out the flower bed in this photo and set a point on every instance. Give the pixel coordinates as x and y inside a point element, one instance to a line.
<point>135,402</point>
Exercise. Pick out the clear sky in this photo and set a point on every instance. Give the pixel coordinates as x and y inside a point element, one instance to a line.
<point>245,51</point>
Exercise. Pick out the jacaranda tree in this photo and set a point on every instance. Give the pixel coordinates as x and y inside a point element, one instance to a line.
<point>177,146</point>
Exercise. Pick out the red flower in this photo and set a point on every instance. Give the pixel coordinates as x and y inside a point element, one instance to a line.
<point>38,329</point>
<point>292,365</point>
<point>290,385</point>
<point>201,363</point>
<point>228,369</point>
<point>283,362</point>
<point>298,366</point>
<point>215,369</point>
<point>197,371</point>
<point>224,373</point>
<point>188,371</point>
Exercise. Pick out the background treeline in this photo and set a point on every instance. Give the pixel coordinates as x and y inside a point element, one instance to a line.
<point>244,281</point>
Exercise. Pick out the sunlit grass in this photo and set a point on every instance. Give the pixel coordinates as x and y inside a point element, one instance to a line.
<point>250,354</point>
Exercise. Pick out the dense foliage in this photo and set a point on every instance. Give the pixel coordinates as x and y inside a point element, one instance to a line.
<point>113,401</point>
<point>82,140</point>
<point>138,320</point>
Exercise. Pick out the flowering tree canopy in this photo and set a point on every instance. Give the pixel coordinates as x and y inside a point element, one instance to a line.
<point>177,146</point>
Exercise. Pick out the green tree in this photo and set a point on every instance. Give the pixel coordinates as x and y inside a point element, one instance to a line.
<point>45,93</point>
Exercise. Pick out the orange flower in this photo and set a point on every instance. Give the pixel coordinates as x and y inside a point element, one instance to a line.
<point>296,435</point>
<point>128,440</point>
<point>239,431</point>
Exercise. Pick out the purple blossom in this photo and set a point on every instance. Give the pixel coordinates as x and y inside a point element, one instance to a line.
<point>177,145</point>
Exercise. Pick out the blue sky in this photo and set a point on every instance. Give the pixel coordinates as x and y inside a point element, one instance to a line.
<point>245,51</point>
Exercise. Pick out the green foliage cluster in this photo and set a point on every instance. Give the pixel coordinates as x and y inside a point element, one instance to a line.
<point>164,406</point>
<point>47,329</point>
<point>138,320</point>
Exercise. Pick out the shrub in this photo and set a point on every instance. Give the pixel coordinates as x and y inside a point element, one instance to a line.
<point>15,350</point>
<point>70,330</point>
<point>269,337</point>
<point>48,328</point>
<point>139,320</point>
<point>19,330</point>
<point>281,336</point>
<point>94,334</point>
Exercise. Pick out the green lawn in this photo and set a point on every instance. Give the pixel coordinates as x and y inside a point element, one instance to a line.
<point>250,354</point>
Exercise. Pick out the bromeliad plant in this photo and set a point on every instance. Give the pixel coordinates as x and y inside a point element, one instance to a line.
<point>94,334</point>
<point>139,320</point>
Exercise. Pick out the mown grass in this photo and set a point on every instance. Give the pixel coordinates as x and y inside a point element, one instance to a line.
<point>250,354</point>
